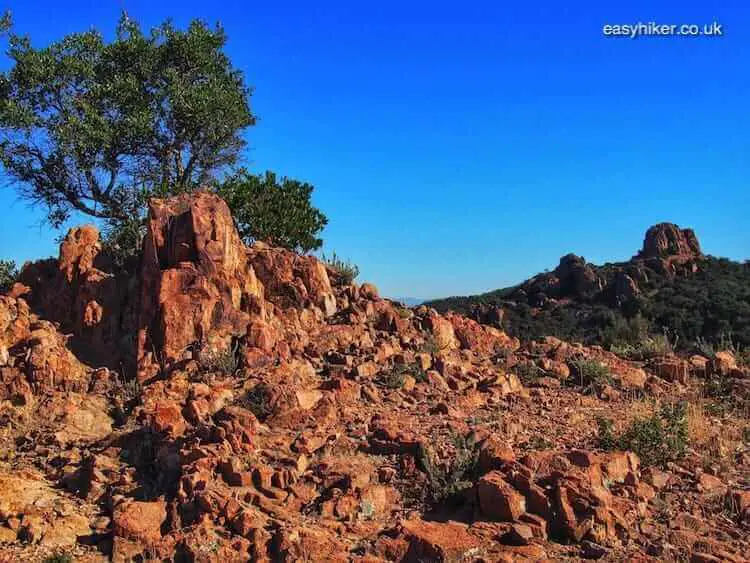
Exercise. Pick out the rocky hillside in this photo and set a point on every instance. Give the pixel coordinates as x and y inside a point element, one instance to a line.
<point>670,284</point>
<point>232,403</point>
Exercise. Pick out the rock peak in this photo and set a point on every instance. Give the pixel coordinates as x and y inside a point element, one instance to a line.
<point>666,240</point>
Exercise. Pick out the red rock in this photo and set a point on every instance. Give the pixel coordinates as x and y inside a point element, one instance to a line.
<point>498,499</point>
<point>723,362</point>
<point>494,454</point>
<point>671,369</point>
<point>139,521</point>
<point>168,418</point>
<point>448,542</point>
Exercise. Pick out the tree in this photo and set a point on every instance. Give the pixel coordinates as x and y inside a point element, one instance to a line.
<point>99,127</point>
<point>8,274</point>
<point>279,210</point>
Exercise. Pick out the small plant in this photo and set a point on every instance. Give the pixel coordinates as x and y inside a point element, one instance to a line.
<point>8,274</point>
<point>538,442</point>
<point>704,348</point>
<point>395,377</point>
<point>125,395</point>
<point>528,373</point>
<point>447,477</point>
<point>226,361</point>
<point>346,271</point>
<point>657,439</point>
<point>645,349</point>
<point>430,346</point>
<point>590,374</point>
<point>59,558</point>
<point>258,401</point>
<point>367,509</point>
<point>404,312</point>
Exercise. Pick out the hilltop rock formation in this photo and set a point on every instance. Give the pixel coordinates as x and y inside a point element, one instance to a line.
<point>233,403</point>
<point>667,240</point>
<point>668,285</point>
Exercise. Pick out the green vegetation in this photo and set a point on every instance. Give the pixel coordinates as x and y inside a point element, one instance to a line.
<point>346,271</point>
<point>99,127</point>
<point>395,377</point>
<point>274,209</point>
<point>657,439</point>
<point>8,274</point>
<point>528,373</point>
<point>226,361</point>
<point>146,114</point>
<point>713,301</point>
<point>447,477</point>
<point>591,375</point>
<point>59,558</point>
<point>258,401</point>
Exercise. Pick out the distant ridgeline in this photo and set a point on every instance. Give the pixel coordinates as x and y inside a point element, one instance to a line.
<point>669,288</point>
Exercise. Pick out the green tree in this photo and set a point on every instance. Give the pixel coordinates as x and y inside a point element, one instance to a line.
<point>8,274</point>
<point>275,209</point>
<point>99,127</point>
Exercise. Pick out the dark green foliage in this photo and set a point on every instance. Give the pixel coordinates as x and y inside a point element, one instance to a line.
<point>528,373</point>
<point>658,439</point>
<point>713,301</point>
<point>8,274</point>
<point>59,558</point>
<point>447,477</point>
<point>97,127</point>
<point>258,401</point>
<point>274,209</point>
<point>346,271</point>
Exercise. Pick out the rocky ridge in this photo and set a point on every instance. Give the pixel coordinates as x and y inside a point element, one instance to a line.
<point>232,403</point>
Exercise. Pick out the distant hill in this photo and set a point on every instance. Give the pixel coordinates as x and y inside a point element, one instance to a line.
<point>669,287</point>
<point>409,301</point>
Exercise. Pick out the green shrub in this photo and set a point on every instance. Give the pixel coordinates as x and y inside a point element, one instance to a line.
<point>8,274</point>
<point>447,477</point>
<point>658,439</point>
<point>395,377</point>
<point>59,558</point>
<point>646,349</point>
<point>346,271</point>
<point>258,401</point>
<point>590,374</point>
<point>528,373</point>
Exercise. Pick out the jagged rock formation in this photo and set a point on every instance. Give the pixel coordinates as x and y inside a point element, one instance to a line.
<point>261,410</point>
<point>667,240</point>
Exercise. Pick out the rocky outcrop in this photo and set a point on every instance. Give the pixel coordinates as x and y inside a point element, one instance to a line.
<point>667,240</point>
<point>280,414</point>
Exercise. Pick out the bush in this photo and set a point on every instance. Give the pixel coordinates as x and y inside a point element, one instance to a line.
<point>590,374</point>
<point>528,373</point>
<point>346,271</point>
<point>646,349</point>
<point>278,210</point>
<point>258,401</point>
<point>8,274</point>
<point>395,377</point>
<point>658,439</point>
<point>59,558</point>
<point>447,477</point>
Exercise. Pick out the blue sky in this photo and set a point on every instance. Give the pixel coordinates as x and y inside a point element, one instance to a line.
<point>464,146</point>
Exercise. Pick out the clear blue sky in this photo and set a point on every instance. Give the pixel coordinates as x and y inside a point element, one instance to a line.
<point>460,147</point>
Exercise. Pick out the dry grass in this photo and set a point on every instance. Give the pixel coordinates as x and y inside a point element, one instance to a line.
<point>699,425</point>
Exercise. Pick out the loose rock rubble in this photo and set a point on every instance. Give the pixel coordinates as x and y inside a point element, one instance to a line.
<point>233,403</point>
